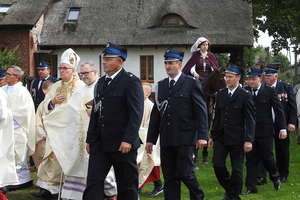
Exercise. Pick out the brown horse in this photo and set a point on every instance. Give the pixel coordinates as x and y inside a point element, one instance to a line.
<point>211,85</point>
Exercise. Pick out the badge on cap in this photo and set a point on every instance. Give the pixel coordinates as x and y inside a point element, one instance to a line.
<point>233,69</point>
<point>173,55</point>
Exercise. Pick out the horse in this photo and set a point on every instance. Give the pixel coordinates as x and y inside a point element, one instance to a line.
<point>214,82</point>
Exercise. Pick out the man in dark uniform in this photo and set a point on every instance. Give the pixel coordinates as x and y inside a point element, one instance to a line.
<point>35,89</point>
<point>265,99</point>
<point>2,78</point>
<point>179,116</point>
<point>112,138</point>
<point>287,98</point>
<point>232,132</point>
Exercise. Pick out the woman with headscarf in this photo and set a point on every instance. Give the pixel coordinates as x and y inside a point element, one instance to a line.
<point>200,65</point>
<point>202,61</point>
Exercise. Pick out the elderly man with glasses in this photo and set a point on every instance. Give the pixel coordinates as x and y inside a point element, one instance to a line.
<point>22,107</point>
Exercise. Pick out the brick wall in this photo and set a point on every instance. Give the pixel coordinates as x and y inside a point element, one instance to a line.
<point>23,39</point>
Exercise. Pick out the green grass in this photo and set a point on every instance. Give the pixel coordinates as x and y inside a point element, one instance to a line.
<point>213,191</point>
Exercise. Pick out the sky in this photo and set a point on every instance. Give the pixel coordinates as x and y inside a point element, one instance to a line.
<point>265,41</point>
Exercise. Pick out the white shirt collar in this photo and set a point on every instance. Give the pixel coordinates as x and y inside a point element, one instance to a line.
<point>45,78</point>
<point>259,87</point>
<point>93,84</point>
<point>114,75</point>
<point>274,84</point>
<point>233,90</point>
<point>175,78</point>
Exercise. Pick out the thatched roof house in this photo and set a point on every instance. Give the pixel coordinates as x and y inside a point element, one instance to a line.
<point>147,28</point>
<point>21,13</point>
<point>151,22</point>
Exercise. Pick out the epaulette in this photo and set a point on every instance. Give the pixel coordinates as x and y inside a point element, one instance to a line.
<point>247,91</point>
<point>162,80</point>
<point>221,89</point>
<point>130,74</point>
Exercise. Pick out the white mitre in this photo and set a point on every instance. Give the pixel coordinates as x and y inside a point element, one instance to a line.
<point>70,57</point>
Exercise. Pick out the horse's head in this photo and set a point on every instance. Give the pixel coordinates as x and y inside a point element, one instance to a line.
<point>214,82</point>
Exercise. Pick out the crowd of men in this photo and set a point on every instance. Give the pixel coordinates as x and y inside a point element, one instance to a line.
<point>92,137</point>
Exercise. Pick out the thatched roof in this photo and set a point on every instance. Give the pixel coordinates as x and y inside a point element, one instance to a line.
<point>138,22</point>
<point>22,12</point>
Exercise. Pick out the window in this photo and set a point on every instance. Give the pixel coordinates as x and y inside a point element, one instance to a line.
<point>73,15</point>
<point>172,20</point>
<point>146,69</point>
<point>4,8</point>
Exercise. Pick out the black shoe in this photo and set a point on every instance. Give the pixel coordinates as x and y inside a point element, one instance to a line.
<point>42,193</point>
<point>20,187</point>
<point>205,160</point>
<point>156,191</point>
<point>226,197</point>
<point>261,181</point>
<point>277,185</point>
<point>283,179</point>
<point>249,192</point>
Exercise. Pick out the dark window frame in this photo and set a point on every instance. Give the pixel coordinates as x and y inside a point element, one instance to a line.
<point>5,6</point>
<point>148,60</point>
<point>165,21</point>
<point>73,9</point>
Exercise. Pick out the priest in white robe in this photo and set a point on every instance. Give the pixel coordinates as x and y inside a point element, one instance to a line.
<point>66,125</point>
<point>149,164</point>
<point>22,107</point>
<point>8,174</point>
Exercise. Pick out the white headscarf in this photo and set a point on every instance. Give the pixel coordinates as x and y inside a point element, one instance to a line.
<point>199,41</point>
<point>71,58</point>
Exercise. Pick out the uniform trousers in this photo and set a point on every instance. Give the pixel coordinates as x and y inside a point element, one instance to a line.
<point>232,183</point>
<point>282,152</point>
<point>178,166</point>
<point>126,172</point>
<point>262,151</point>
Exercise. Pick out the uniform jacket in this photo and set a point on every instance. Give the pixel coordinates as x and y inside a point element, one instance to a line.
<point>288,100</point>
<point>234,121</point>
<point>119,116</point>
<point>183,120</point>
<point>36,92</point>
<point>264,101</point>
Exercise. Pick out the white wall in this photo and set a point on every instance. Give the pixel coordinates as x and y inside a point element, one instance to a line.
<point>132,63</point>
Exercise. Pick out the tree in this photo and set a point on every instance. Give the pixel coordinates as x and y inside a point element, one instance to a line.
<point>282,59</point>
<point>223,59</point>
<point>254,55</point>
<point>9,57</point>
<point>281,18</point>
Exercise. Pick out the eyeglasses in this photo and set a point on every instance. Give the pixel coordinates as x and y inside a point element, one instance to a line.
<point>84,73</point>
<point>9,74</point>
<point>64,68</point>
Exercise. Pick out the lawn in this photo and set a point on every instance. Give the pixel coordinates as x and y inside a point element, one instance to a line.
<point>207,179</point>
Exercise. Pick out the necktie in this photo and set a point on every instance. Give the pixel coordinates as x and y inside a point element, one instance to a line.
<point>229,93</point>
<point>106,83</point>
<point>172,83</point>
<point>254,92</point>
<point>40,83</point>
